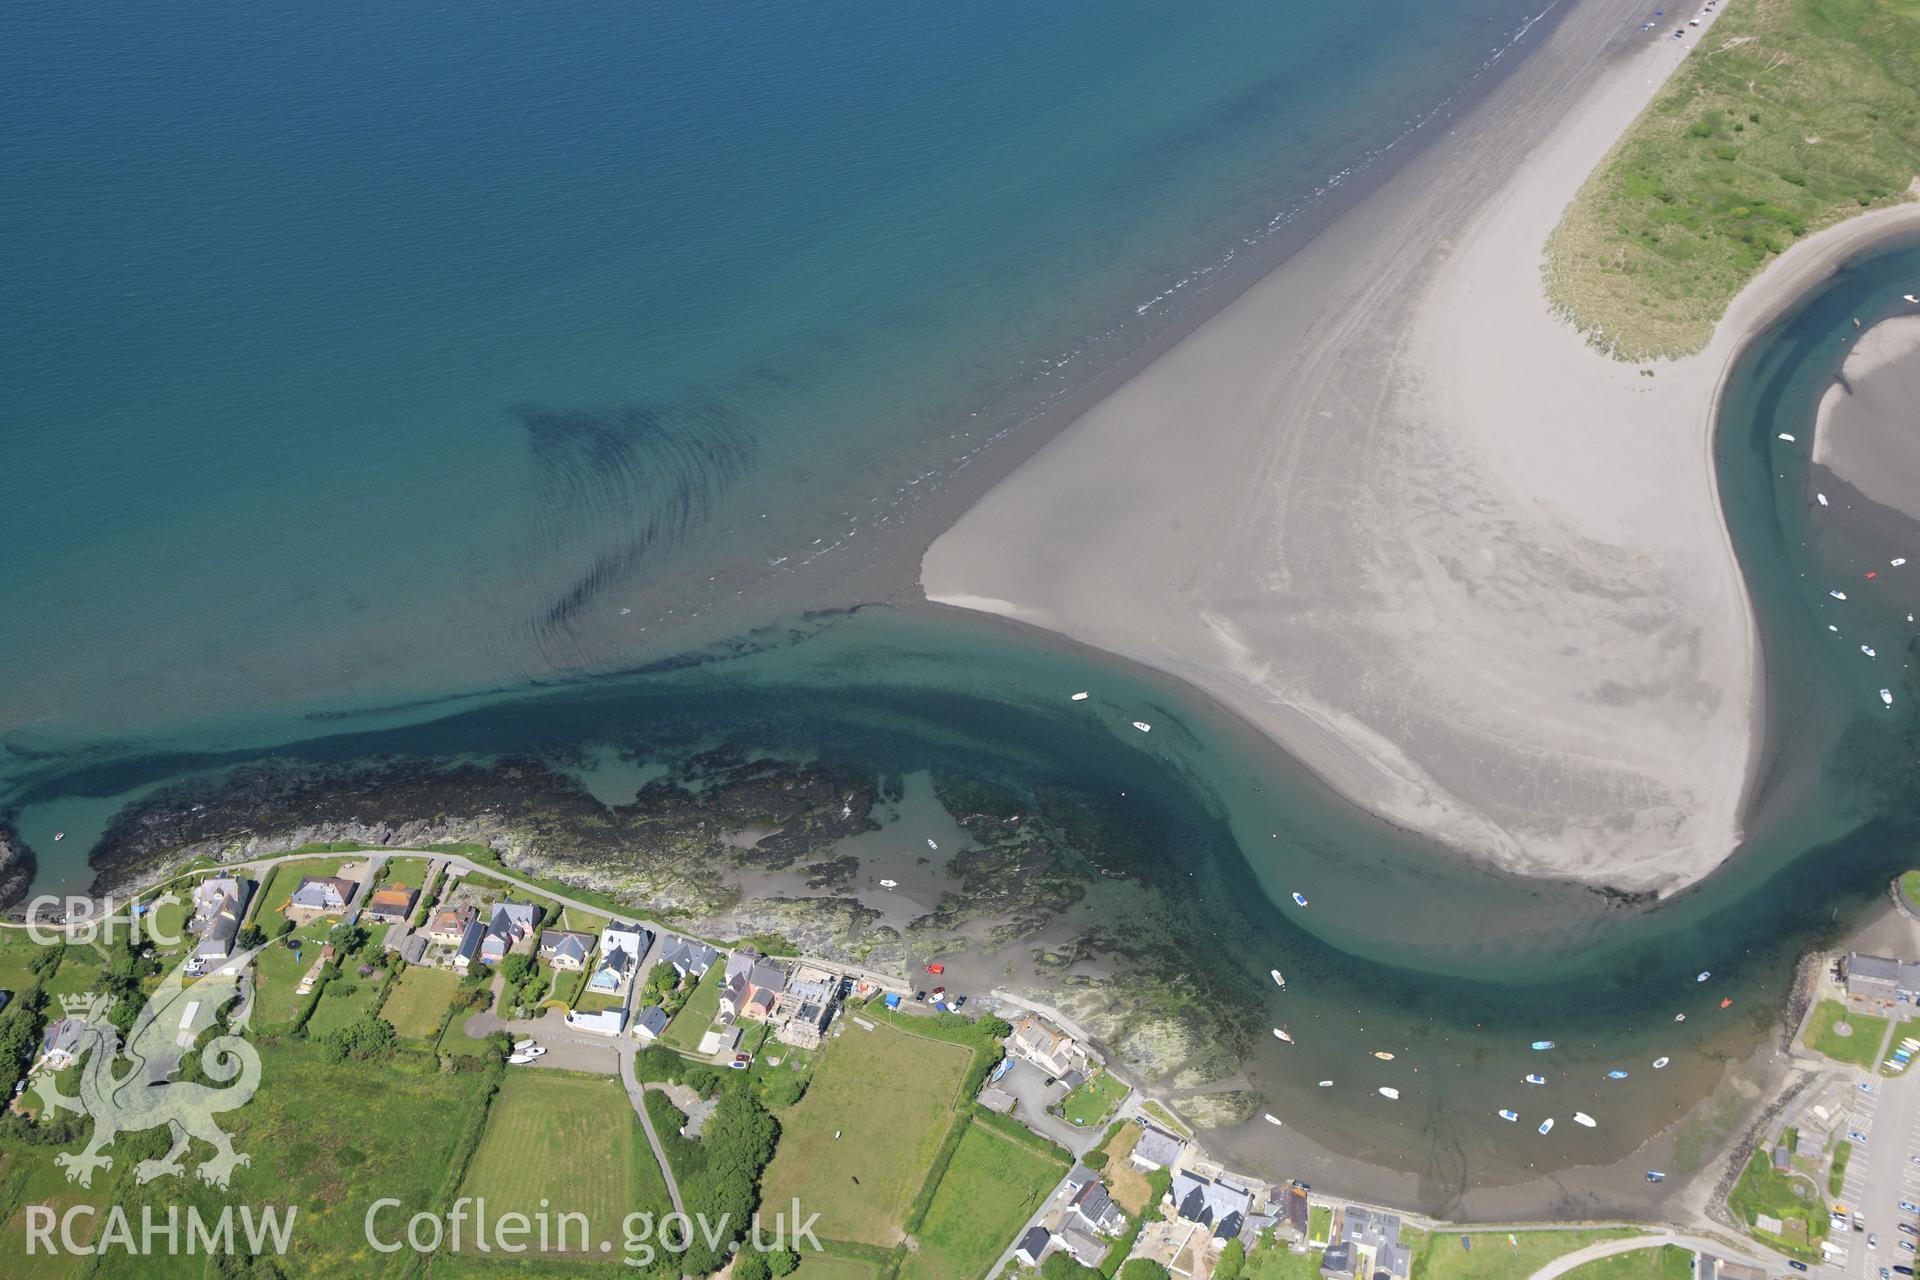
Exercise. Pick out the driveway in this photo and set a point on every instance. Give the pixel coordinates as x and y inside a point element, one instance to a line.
<point>1031,1094</point>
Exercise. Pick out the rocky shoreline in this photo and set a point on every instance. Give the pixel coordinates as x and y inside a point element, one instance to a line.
<point>17,866</point>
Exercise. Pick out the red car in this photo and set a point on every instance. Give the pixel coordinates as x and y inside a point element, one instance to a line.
<point>937,992</point>
<point>936,968</point>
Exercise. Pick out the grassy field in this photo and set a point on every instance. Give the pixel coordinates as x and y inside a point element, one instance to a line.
<point>419,1001</point>
<point>1837,1173</point>
<point>346,998</point>
<point>1910,888</point>
<point>1795,1200</point>
<point>890,1097</point>
<point>16,953</point>
<point>991,1187</point>
<point>1492,1258</point>
<point>684,1032</point>
<point>1666,1262</point>
<point>1861,1047</point>
<point>1790,116</point>
<point>1089,1105</point>
<point>327,1138</point>
<point>824,1266</point>
<point>573,1140</point>
<point>279,970</point>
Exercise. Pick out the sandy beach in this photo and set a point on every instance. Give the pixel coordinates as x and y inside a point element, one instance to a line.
<point>1864,431</point>
<point>1396,513</point>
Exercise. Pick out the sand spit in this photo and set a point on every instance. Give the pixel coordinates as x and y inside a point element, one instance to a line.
<point>1864,431</point>
<point>1404,519</point>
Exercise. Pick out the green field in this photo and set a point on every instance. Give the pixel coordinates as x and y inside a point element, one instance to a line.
<point>1789,117</point>
<point>346,999</point>
<point>1090,1104</point>
<point>825,1266</point>
<point>684,1032</point>
<point>1442,1257</point>
<point>1910,888</point>
<point>16,952</point>
<point>279,970</point>
<point>572,1140</point>
<point>1861,1047</point>
<point>1663,1262</point>
<point>890,1096</point>
<point>418,1001</point>
<point>991,1187</point>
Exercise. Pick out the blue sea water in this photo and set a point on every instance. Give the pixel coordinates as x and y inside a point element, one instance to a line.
<point>365,354</point>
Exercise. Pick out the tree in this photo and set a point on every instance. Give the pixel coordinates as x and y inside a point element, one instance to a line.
<point>516,969</point>
<point>1095,1159</point>
<point>1233,1261</point>
<point>282,929</point>
<point>1148,1269</point>
<point>347,938</point>
<point>1061,1266</point>
<point>750,1264</point>
<point>251,936</point>
<point>367,1038</point>
<point>782,1262</point>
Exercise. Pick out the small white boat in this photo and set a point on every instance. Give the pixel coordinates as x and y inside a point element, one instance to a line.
<point>1833,628</point>
<point>1080,696</point>
<point>1541,1046</point>
<point>1326,1084</point>
<point>1582,1118</point>
<point>1703,975</point>
<point>1143,726</point>
<point>1897,561</point>
<point>625,612</point>
<point>1616,1074</point>
<point>931,844</point>
<point>1658,1063</point>
<point>1509,1115</point>
<point>1886,696</point>
<point>1679,1017</point>
<point>519,1059</point>
<point>889,884</point>
<point>1546,1126</point>
<point>1534,1079</point>
<point>1868,650</point>
<point>1910,298</point>
<point>521,1046</point>
<point>59,835</point>
<point>1279,1034</point>
<point>1383,1055</point>
<point>1299,898</point>
<point>1386,1091</point>
<point>1272,1119</point>
<point>1278,980</point>
<point>1822,497</point>
<point>1838,595</point>
<point>1787,436</point>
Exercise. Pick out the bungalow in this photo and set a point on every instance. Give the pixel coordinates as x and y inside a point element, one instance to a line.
<point>449,924</point>
<point>60,1043</point>
<point>1097,1209</point>
<point>689,959</point>
<point>1087,1248</point>
<point>322,894</point>
<point>621,947</point>
<point>1156,1149</point>
<point>1211,1204</point>
<point>512,923</point>
<point>472,938</point>
<point>649,1024</point>
<point>219,903</point>
<point>607,1022</point>
<point>1046,1046</point>
<point>393,904</point>
<point>754,986</point>
<point>565,950</point>
<point>1033,1246</point>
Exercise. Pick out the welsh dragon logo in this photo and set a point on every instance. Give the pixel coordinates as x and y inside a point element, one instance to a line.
<point>144,1094</point>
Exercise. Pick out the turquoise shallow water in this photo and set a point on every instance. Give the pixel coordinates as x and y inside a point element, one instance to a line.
<point>380,361</point>
<point>364,354</point>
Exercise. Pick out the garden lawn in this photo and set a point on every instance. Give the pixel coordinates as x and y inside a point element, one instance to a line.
<point>1861,1047</point>
<point>417,1005</point>
<point>572,1140</point>
<point>280,883</point>
<point>891,1098</point>
<point>1910,888</point>
<point>1089,1105</point>
<point>346,998</point>
<point>1492,1258</point>
<point>990,1189</point>
<point>701,1008</point>
<point>1277,1262</point>
<point>278,971</point>
<point>1791,1198</point>
<point>1126,1184</point>
<point>1662,1262</point>
<point>16,953</point>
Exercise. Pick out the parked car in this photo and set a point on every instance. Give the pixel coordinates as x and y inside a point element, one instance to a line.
<point>959,1001</point>
<point>920,997</point>
<point>1910,1229</point>
<point>936,968</point>
<point>1908,1206</point>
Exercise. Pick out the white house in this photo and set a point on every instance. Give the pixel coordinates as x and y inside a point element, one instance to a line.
<point>621,946</point>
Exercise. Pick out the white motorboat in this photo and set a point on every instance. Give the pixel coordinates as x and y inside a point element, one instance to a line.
<point>1080,696</point>
<point>1787,436</point>
<point>1383,1055</point>
<point>1546,1126</point>
<point>1280,1034</point>
<point>1658,1063</point>
<point>1886,696</point>
<point>1143,726</point>
<point>1509,1115</point>
<point>1272,1119</point>
<point>889,884</point>
<point>1326,1084</point>
<point>1387,1091</point>
<point>1838,595</point>
<point>1581,1117</point>
<point>1299,898</point>
<point>1277,979</point>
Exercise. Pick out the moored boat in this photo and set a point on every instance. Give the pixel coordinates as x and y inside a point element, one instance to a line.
<point>1272,1119</point>
<point>1388,1091</point>
<point>1383,1055</point>
<point>1582,1118</point>
<point>1660,1062</point>
<point>1616,1074</point>
<point>1278,980</point>
<point>1143,726</point>
<point>1533,1079</point>
<point>1546,1126</point>
<point>1299,898</point>
<point>1542,1044</point>
<point>1509,1115</point>
<point>1279,1034</point>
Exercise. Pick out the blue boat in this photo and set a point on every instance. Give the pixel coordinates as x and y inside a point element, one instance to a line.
<point>1533,1079</point>
<point>1616,1075</point>
<point>1543,1044</point>
<point>1299,899</point>
<point>1509,1115</point>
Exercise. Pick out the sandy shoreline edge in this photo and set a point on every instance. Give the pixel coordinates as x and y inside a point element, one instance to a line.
<point>1392,510</point>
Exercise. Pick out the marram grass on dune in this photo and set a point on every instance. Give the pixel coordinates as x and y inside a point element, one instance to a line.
<point>1791,116</point>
